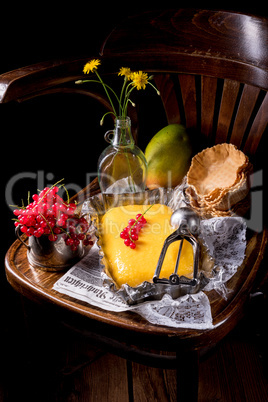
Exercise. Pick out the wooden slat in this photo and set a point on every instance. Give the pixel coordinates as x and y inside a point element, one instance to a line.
<point>208,97</point>
<point>188,91</point>
<point>165,85</point>
<point>228,101</point>
<point>257,129</point>
<point>244,111</point>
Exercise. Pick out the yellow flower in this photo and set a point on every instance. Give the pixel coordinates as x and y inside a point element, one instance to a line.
<point>139,79</point>
<point>90,66</point>
<point>125,71</point>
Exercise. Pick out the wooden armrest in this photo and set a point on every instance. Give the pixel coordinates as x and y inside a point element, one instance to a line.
<point>26,81</point>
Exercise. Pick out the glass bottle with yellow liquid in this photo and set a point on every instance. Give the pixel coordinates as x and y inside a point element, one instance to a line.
<point>122,167</point>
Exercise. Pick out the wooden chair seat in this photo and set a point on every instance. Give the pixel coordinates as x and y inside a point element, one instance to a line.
<point>211,68</point>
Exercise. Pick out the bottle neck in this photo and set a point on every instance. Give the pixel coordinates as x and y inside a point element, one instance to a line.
<point>122,132</point>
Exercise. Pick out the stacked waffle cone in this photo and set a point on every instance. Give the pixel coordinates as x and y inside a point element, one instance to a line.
<point>217,180</point>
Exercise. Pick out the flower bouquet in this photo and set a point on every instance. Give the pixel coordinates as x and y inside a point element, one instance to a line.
<point>122,166</point>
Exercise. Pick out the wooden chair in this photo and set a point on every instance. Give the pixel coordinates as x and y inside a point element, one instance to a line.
<point>211,68</point>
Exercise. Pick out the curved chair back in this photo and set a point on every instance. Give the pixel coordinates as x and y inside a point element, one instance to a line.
<point>211,68</point>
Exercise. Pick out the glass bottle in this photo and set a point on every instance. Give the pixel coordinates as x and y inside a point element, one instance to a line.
<point>122,167</point>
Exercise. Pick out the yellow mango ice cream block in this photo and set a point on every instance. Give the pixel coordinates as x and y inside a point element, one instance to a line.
<point>133,264</point>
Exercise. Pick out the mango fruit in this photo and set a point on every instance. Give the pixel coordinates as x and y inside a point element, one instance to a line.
<point>168,155</point>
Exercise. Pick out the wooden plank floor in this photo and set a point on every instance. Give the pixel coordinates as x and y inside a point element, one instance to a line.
<point>40,363</point>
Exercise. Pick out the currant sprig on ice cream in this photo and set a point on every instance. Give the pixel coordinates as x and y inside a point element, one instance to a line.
<point>50,215</point>
<point>130,233</point>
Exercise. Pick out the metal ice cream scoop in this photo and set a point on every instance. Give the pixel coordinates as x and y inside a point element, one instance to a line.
<point>186,220</point>
<point>187,224</point>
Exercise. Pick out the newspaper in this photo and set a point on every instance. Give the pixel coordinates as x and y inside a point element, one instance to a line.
<point>83,282</point>
<point>225,238</point>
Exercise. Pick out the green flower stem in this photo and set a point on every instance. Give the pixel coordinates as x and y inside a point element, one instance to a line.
<point>107,93</point>
<point>105,114</point>
<point>158,93</point>
<point>131,181</point>
<point>127,94</point>
<point>105,86</point>
<point>121,96</point>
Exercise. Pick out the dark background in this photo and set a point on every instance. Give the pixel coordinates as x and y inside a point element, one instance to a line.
<point>47,30</point>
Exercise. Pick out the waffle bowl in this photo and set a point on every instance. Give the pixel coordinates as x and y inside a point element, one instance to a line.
<point>217,180</point>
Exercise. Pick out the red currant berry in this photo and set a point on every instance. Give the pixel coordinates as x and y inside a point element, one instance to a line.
<point>35,197</point>
<point>132,245</point>
<point>134,237</point>
<point>43,224</point>
<point>36,233</point>
<point>51,222</point>
<point>52,237</point>
<point>76,242</point>
<point>87,242</point>
<point>83,225</point>
<point>141,219</point>
<point>69,211</point>
<point>62,207</point>
<point>55,189</point>
<point>69,241</point>
<point>124,235</point>
<point>60,222</point>
<point>40,230</point>
<point>16,212</point>
<point>127,242</point>
<point>30,231</point>
<point>71,229</point>
<point>23,220</point>
<point>55,208</point>
<point>39,218</point>
<point>134,230</point>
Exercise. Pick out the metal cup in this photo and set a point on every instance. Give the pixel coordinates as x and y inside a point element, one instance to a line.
<point>52,255</point>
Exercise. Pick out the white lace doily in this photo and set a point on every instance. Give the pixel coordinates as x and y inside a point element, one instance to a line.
<point>189,311</point>
<point>225,240</point>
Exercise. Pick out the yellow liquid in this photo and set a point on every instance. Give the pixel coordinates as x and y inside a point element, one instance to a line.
<point>132,267</point>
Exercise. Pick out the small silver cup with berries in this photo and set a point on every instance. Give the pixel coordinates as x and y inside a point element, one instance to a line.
<point>57,235</point>
<point>53,256</point>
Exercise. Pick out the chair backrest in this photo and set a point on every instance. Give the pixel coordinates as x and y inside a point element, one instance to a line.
<point>211,68</point>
